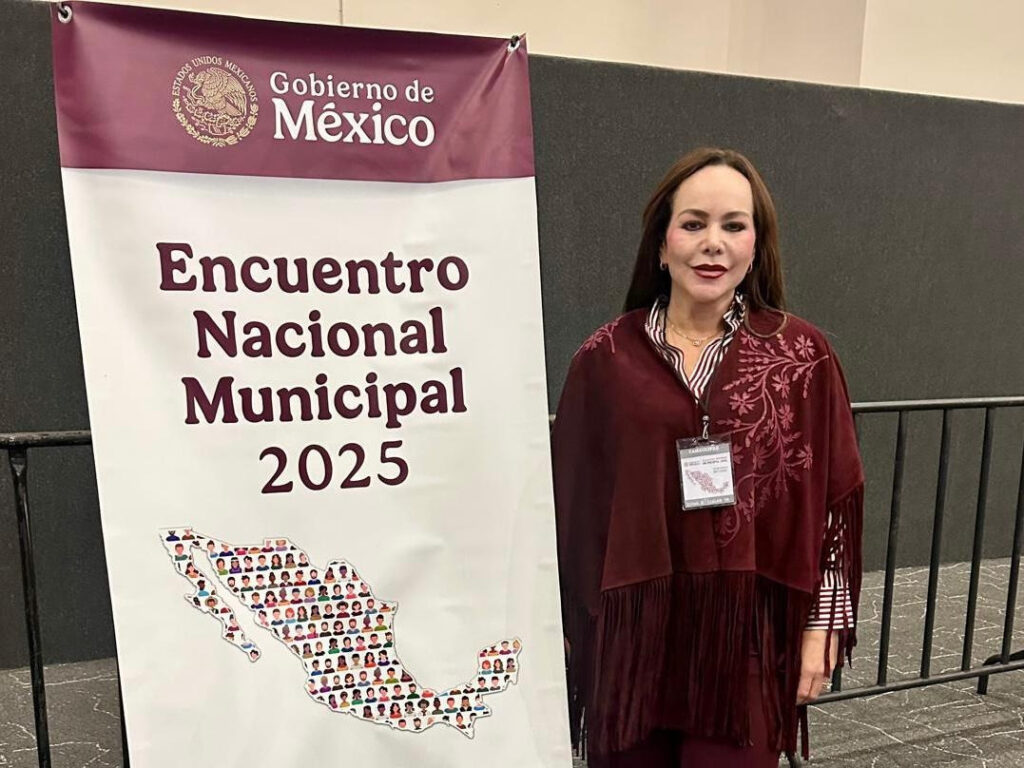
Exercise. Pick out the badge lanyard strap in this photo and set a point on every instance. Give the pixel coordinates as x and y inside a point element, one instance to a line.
<point>702,403</point>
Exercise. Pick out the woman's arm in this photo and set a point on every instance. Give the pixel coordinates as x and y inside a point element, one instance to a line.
<point>832,611</point>
<point>814,676</point>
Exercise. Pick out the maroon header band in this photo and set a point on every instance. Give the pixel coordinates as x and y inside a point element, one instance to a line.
<point>161,90</point>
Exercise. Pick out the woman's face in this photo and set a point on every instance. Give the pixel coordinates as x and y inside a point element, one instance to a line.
<point>709,243</point>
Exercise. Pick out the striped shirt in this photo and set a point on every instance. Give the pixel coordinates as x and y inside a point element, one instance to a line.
<point>711,355</point>
<point>833,587</point>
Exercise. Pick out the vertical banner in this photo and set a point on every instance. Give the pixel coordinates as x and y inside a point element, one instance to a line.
<point>306,267</point>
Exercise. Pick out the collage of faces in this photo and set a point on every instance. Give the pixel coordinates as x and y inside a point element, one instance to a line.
<point>180,545</point>
<point>343,635</point>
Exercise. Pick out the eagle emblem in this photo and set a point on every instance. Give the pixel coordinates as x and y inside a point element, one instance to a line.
<point>214,101</point>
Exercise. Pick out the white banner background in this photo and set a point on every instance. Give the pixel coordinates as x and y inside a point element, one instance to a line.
<point>465,545</point>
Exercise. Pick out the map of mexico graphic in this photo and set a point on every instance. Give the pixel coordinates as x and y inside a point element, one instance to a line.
<point>333,623</point>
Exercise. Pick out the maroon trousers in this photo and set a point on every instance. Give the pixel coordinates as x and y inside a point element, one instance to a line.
<point>671,749</point>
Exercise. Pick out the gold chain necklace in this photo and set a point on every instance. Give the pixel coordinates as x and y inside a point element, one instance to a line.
<point>695,342</point>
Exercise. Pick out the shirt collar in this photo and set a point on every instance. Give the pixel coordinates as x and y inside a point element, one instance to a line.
<point>733,315</point>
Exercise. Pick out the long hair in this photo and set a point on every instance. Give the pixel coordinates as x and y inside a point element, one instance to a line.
<point>762,287</point>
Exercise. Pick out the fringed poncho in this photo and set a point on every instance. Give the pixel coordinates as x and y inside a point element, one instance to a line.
<point>662,606</point>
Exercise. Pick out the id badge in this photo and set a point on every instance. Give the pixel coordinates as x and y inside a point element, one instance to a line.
<point>705,471</point>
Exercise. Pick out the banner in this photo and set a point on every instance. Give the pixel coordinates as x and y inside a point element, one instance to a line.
<point>306,267</point>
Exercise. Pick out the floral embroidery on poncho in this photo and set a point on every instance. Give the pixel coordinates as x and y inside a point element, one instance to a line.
<point>776,372</point>
<point>598,337</point>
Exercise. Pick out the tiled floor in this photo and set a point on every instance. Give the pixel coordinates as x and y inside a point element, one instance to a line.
<point>941,725</point>
<point>84,716</point>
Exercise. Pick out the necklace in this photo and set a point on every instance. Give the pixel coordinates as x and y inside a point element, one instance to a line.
<point>695,342</point>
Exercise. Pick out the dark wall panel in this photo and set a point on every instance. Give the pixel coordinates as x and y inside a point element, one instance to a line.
<point>902,237</point>
<point>41,382</point>
<point>901,220</point>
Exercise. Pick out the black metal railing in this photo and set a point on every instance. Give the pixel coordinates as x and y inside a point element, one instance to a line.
<point>18,444</point>
<point>1005,661</point>
<point>1001,663</point>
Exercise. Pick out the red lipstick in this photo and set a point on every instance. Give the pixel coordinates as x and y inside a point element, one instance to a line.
<point>710,271</point>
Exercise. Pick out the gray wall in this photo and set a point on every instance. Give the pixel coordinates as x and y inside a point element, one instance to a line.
<point>902,235</point>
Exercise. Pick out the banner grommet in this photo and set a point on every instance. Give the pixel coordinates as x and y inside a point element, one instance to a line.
<point>64,13</point>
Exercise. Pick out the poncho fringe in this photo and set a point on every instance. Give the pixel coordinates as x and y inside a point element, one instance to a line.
<point>672,652</point>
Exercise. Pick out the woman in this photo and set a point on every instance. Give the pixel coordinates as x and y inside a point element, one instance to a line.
<point>709,493</point>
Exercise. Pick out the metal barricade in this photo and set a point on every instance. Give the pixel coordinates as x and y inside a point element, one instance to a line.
<point>1001,663</point>
<point>17,446</point>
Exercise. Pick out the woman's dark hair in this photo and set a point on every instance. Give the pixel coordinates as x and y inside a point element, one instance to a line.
<point>762,287</point>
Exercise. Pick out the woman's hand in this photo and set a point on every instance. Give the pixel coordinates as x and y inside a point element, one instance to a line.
<point>813,675</point>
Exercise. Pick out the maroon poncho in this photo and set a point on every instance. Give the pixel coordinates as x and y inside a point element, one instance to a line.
<point>662,606</point>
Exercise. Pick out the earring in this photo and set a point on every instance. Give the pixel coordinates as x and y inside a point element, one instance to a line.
<point>664,266</point>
